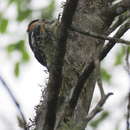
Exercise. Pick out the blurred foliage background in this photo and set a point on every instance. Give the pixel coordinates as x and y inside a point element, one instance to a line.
<point>15,16</point>
<point>22,11</point>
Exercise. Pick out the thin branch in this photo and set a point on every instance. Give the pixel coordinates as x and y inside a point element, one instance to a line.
<point>15,102</point>
<point>55,78</point>
<point>98,74</point>
<point>93,113</point>
<point>98,108</point>
<point>128,113</point>
<point>99,36</point>
<point>127,61</point>
<point>118,21</point>
<point>128,106</point>
<point>99,78</point>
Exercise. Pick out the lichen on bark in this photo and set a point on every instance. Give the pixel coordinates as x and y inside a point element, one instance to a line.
<point>80,51</point>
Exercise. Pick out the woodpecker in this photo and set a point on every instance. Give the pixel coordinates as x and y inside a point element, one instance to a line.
<point>42,36</point>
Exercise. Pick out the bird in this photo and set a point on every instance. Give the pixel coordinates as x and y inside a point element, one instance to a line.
<point>42,39</point>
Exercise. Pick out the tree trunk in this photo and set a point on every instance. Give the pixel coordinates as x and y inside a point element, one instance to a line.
<point>80,51</point>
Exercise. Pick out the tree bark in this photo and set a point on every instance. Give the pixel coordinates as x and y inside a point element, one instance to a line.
<point>80,51</point>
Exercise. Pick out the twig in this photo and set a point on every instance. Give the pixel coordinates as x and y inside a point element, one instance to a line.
<point>55,78</point>
<point>98,108</point>
<point>99,78</point>
<point>128,113</point>
<point>118,21</point>
<point>128,106</point>
<point>98,74</point>
<point>99,36</point>
<point>127,61</point>
<point>15,102</point>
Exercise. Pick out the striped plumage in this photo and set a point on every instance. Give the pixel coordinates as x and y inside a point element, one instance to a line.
<point>41,40</point>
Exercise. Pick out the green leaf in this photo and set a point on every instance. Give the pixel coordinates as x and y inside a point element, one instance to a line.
<point>128,49</point>
<point>119,56</point>
<point>19,46</point>
<point>49,10</point>
<point>105,75</point>
<point>10,48</point>
<point>17,69</point>
<point>96,122</point>
<point>3,25</point>
<point>25,56</point>
<point>11,1</point>
<point>22,15</point>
